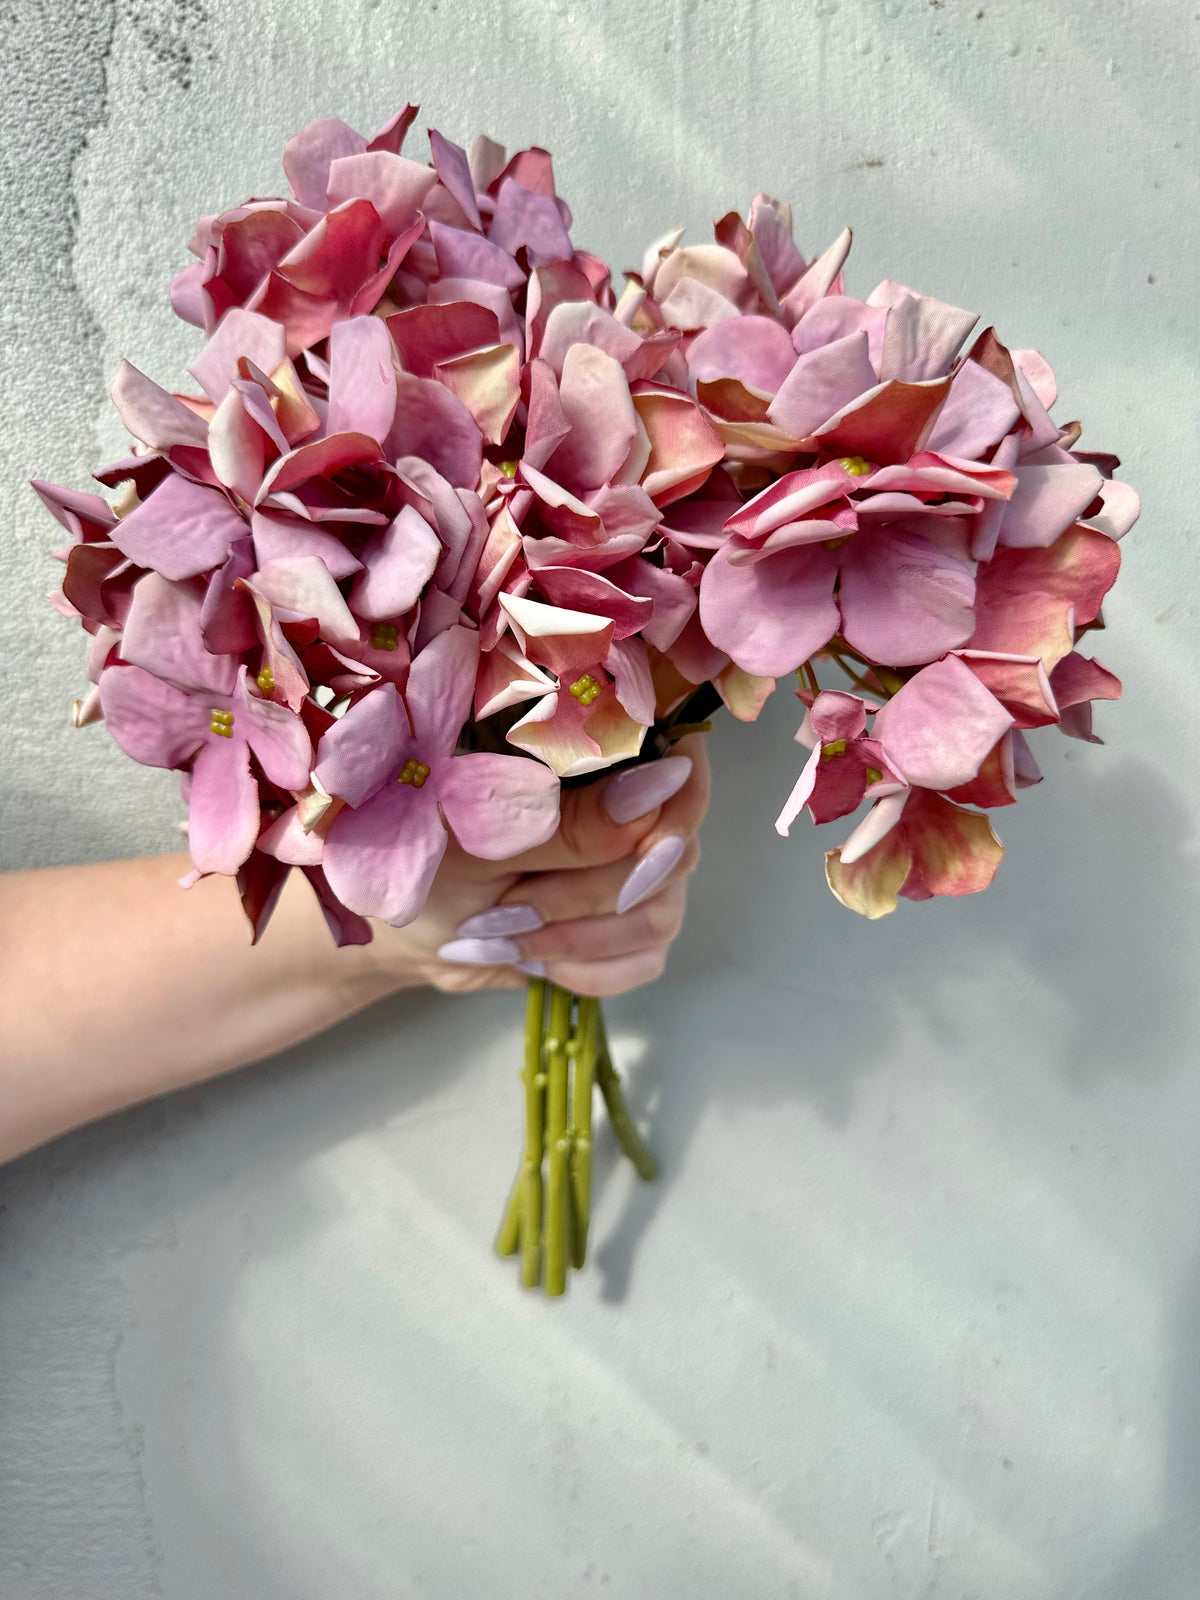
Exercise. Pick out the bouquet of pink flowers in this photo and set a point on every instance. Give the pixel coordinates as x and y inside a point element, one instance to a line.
<point>451,522</point>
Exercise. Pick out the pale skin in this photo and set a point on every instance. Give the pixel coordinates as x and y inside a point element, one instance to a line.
<point>119,986</point>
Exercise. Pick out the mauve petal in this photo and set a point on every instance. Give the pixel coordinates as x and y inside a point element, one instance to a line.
<point>821,383</point>
<point>452,167</point>
<point>362,378</point>
<point>469,255</point>
<point>692,305</point>
<point>432,423</point>
<point>683,446</point>
<point>788,499</point>
<point>580,322</point>
<point>181,530</point>
<point>364,748</point>
<point>237,446</point>
<point>223,814</point>
<point>440,687</point>
<point>552,636</point>
<point>303,585</point>
<point>531,221</point>
<point>187,296</point>
<point>398,562</point>
<point>1046,501</point>
<point>307,156</point>
<point>279,658</point>
<point>837,316</point>
<point>978,412</point>
<point>320,459</point>
<point>391,135</point>
<point>251,245</point>
<point>674,599</point>
<point>772,616</point>
<point>346,926</point>
<point>922,338</point>
<point>577,589</point>
<point>757,351</point>
<point>939,727</point>
<point>152,415</point>
<point>381,859</point>
<point>497,806</point>
<point>547,421</point>
<point>837,715</point>
<point>155,723</point>
<point>239,333</point>
<point>1076,679</point>
<point>902,600</point>
<point>629,662</point>
<point>278,537</point>
<point>276,735</point>
<point>394,185</point>
<point>489,296</point>
<point>164,634</point>
<point>594,394</point>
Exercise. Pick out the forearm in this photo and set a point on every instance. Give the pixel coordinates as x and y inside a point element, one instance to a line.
<point>118,985</point>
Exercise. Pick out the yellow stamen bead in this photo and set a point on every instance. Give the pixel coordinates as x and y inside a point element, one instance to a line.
<point>509,468</point>
<point>836,544</point>
<point>856,466</point>
<point>836,747</point>
<point>414,772</point>
<point>384,636</point>
<point>266,679</point>
<point>221,722</point>
<point>585,689</point>
<point>874,775</point>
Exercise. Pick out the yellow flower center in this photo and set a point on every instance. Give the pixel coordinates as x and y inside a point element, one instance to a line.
<point>266,679</point>
<point>874,776</point>
<point>856,466</point>
<point>384,636</point>
<point>414,772</point>
<point>585,689</point>
<point>509,468</point>
<point>221,722</point>
<point>836,747</point>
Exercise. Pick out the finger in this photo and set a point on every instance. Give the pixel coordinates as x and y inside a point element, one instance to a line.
<point>605,978</point>
<point>655,923</point>
<point>546,897</point>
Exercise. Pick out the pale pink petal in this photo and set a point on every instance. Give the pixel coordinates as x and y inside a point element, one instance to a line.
<point>1046,501</point>
<point>817,279</point>
<point>530,221</point>
<point>876,825</point>
<point>497,806</point>
<point>922,338</point>
<point>977,414</point>
<point>237,446</point>
<point>277,536</point>
<point>629,662</point>
<point>902,599</point>
<point>394,185</point>
<point>164,634</point>
<point>772,616</point>
<point>837,316</point>
<point>941,725</point>
<point>834,715</point>
<point>568,642</point>
<point>683,446</point>
<point>461,254</point>
<point>821,383</point>
<point>153,416</point>
<point>594,394</point>
<point>398,562</point>
<point>223,814</point>
<point>239,333</point>
<point>1120,510</point>
<point>303,586</point>
<point>507,678</point>
<point>381,859</point>
<point>450,161</point>
<point>580,322</point>
<point>488,382</point>
<point>276,735</point>
<point>307,157</point>
<point>152,721</point>
<point>799,797</point>
<point>757,351</point>
<point>440,688</point>
<point>362,381</point>
<point>364,748</point>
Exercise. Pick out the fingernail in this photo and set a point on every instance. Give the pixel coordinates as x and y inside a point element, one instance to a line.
<point>535,969</point>
<point>655,865</point>
<point>501,920</point>
<point>630,794</point>
<point>480,952</point>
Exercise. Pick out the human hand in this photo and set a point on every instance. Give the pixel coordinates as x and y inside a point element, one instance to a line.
<point>597,906</point>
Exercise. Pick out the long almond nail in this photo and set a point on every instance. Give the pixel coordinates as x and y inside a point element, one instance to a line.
<point>501,920</point>
<point>480,952</point>
<point>658,863</point>
<point>630,794</point>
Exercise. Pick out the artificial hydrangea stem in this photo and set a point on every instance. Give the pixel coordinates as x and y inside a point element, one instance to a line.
<point>557,1141</point>
<point>628,1137</point>
<point>582,1088</point>
<point>523,1220</point>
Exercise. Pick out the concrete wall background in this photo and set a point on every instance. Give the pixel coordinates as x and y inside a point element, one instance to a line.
<point>914,1311</point>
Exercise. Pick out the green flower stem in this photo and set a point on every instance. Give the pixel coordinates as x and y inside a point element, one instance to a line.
<point>628,1137</point>
<point>523,1219</point>
<point>557,1141</point>
<point>582,1088</point>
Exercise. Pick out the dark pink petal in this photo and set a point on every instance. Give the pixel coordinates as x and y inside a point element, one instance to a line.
<point>362,378</point>
<point>394,185</point>
<point>547,422</point>
<point>888,423</point>
<point>822,383</point>
<point>432,423</point>
<point>223,811</point>
<point>757,351</point>
<point>477,291</point>
<point>453,168</point>
<point>523,219</point>
<point>441,685</point>
<point>276,735</point>
<point>239,333</point>
<point>151,414</point>
<point>99,583</point>
<point>1018,682</point>
<point>941,725</point>
<point>673,597</point>
<point>251,245</point>
<point>307,156</point>
<point>87,516</point>
<point>152,721</point>
<point>371,289</point>
<point>995,784</point>
<point>469,255</point>
<point>903,600</point>
<point>496,805</point>
<point>164,635</point>
<point>568,642</point>
<point>576,589</point>
<point>626,508</point>
<point>391,135</point>
<point>398,562</point>
<point>773,615</point>
<point>425,335</point>
<point>789,499</point>
<point>187,296</point>
<point>381,859</point>
<point>338,255</point>
<point>365,748</point>
<point>346,926</point>
<point>953,851</point>
<point>181,530</point>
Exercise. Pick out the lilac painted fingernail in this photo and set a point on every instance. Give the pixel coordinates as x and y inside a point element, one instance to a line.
<point>660,860</point>
<point>535,969</point>
<point>501,920</point>
<point>630,794</point>
<point>480,952</point>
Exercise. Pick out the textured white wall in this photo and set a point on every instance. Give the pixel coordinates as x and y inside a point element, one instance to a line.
<point>915,1309</point>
